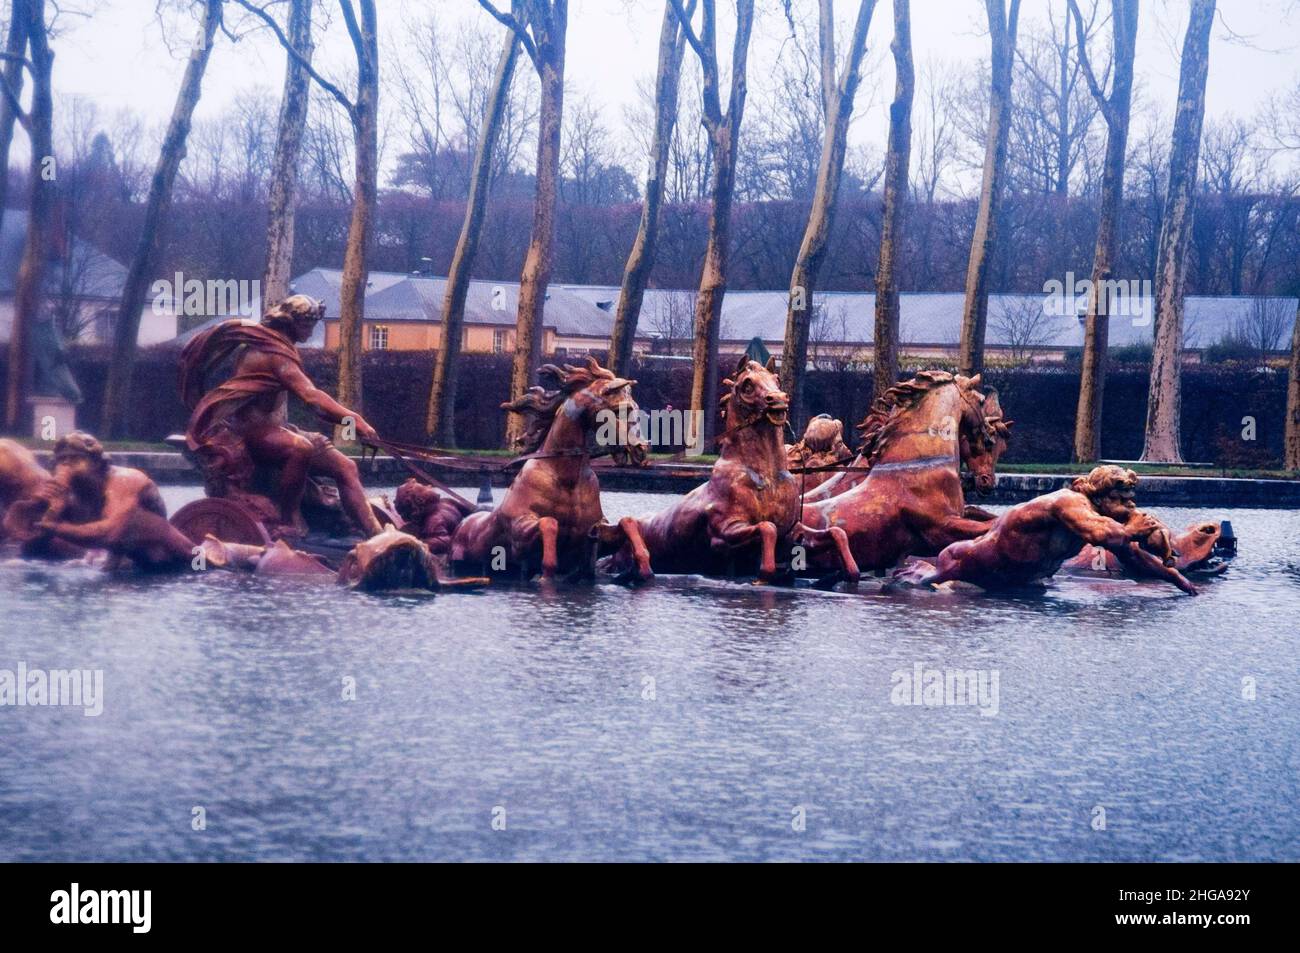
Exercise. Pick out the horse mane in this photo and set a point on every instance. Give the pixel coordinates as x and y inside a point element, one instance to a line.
<point>888,409</point>
<point>539,404</point>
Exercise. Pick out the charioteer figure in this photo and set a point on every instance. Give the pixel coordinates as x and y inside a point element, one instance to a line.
<point>240,430</point>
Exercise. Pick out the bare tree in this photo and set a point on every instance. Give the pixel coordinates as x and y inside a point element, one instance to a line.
<point>1002,36</point>
<point>724,136</point>
<point>1264,326</point>
<point>292,124</point>
<point>126,329</point>
<point>1053,109</point>
<point>328,153</point>
<point>441,421</point>
<point>12,74</point>
<point>38,121</point>
<point>1022,326</point>
<point>1291,440</point>
<point>541,26</point>
<point>1164,399</point>
<point>837,96</point>
<point>897,161</point>
<point>636,273</point>
<point>670,318</point>
<point>1115,109</point>
<point>690,167</point>
<point>362,111</point>
<point>829,339</point>
<point>444,87</point>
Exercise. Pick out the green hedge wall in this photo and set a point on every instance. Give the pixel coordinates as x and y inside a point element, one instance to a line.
<point>1042,401</point>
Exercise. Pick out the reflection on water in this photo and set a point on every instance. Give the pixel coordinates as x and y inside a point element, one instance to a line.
<point>690,719</point>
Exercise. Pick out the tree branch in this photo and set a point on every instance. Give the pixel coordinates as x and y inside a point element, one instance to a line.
<point>354,31</point>
<point>1103,102</point>
<point>297,57</point>
<point>684,18</point>
<point>858,49</point>
<point>511,22</point>
<point>15,107</point>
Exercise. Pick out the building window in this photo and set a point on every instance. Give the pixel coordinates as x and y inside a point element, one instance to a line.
<point>498,340</point>
<point>379,337</point>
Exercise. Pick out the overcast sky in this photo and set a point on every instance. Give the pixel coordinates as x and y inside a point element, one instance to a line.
<point>120,58</point>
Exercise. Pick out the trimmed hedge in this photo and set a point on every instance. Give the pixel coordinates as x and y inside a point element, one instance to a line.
<point>1041,400</point>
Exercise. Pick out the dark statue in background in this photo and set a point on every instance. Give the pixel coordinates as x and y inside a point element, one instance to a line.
<point>51,373</point>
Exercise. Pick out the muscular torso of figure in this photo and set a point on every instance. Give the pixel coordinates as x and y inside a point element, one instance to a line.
<point>1035,535</point>
<point>122,483</point>
<point>266,410</point>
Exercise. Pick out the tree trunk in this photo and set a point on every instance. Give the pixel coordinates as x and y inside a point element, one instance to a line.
<point>1062,184</point>
<point>117,395</point>
<point>837,99</point>
<point>897,162</point>
<point>1096,333</point>
<point>365,189</point>
<point>36,250</point>
<point>1164,398</point>
<point>541,247</point>
<point>713,279</point>
<point>441,421</point>
<point>636,273</point>
<point>724,134</point>
<point>1002,33</point>
<point>1291,445</point>
<point>15,46</point>
<point>284,164</point>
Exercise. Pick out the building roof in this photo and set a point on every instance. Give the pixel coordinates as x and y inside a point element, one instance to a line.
<point>928,319</point>
<point>88,271</point>
<point>934,318</point>
<point>396,297</point>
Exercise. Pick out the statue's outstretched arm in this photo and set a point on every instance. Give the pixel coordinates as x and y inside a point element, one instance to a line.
<point>300,385</point>
<point>1089,525</point>
<point>1137,557</point>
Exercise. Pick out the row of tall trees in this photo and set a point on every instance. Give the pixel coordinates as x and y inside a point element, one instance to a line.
<point>1033,137</point>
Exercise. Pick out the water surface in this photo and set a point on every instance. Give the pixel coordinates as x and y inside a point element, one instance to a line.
<point>688,720</point>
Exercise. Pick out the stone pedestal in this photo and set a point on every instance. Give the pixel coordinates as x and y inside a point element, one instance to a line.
<point>52,417</point>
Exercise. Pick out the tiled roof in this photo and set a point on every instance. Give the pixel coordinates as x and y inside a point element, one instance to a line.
<point>92,273</point>
<point>397,297</point>
<point>927,319</point>
<point>934,318</point>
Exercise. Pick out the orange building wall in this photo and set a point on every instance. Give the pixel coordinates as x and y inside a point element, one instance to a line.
<point>426,336</point>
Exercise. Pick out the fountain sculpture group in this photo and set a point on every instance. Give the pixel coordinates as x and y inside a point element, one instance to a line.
<point>280,500</point>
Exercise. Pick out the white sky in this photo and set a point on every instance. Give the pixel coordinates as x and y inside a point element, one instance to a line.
<point>118,58</point>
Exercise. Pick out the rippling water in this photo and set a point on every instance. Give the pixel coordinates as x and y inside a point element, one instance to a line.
<point>686,720</point>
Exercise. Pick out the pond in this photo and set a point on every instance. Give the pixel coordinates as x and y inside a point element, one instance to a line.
<point>687,720</point>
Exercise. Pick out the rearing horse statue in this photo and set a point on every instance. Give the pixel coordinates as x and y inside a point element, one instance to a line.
<point>552,508</point>
<point>750,504</point>
<point>822,486</point>
<point>910,502</point>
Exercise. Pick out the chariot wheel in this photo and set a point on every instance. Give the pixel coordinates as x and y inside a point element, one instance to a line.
<point>227,520</point>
